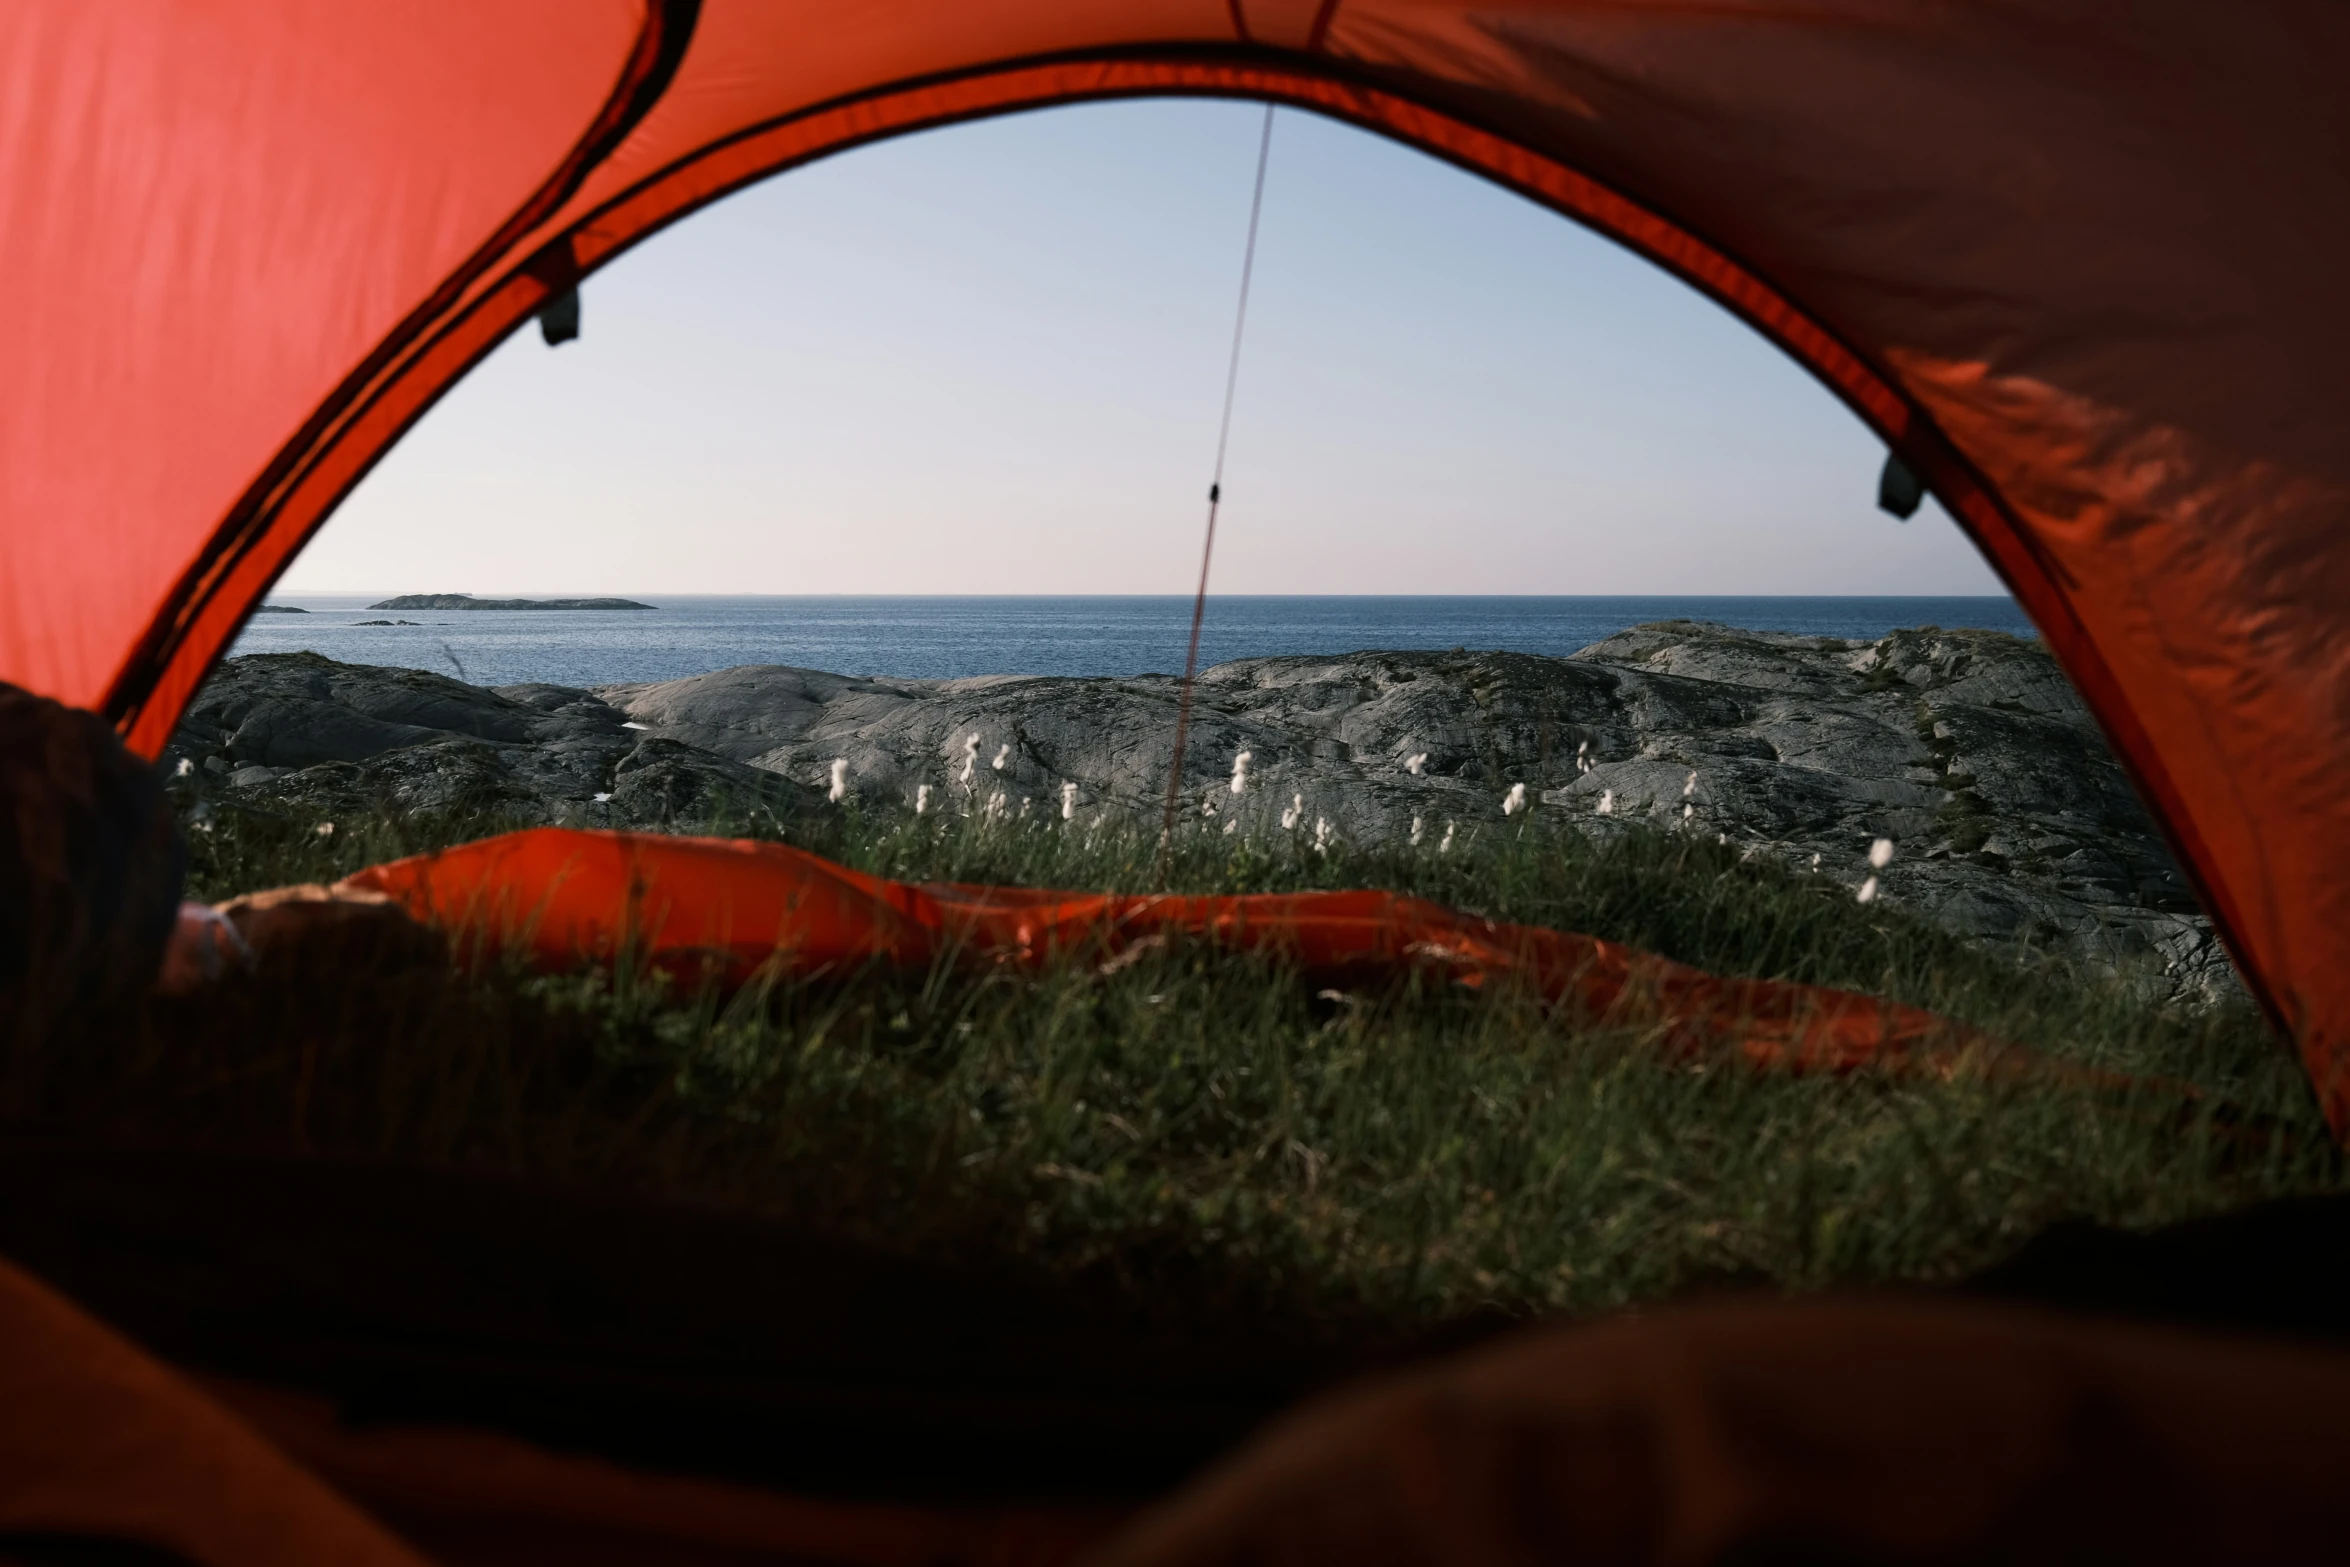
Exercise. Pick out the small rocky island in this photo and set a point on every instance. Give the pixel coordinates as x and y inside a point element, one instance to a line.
<point>468,601</point>
<point>1968,748</point>
<point>279,609</point>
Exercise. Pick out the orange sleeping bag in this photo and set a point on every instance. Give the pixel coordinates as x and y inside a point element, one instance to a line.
<point>733,909</point>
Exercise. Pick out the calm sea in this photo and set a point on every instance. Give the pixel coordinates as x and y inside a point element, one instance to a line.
<point>944,637</point>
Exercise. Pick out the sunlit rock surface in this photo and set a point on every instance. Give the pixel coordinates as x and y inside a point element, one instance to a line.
<point>1968,749</point>
<point>302,730</point>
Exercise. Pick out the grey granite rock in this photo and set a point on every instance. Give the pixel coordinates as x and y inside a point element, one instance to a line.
<point>302,729</point>
<point>1969,750</point>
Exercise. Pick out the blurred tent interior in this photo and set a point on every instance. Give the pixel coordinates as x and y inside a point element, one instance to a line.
<point>2078,266</point>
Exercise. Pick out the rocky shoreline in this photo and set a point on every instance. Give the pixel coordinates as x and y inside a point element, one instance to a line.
<point>1968,748</point>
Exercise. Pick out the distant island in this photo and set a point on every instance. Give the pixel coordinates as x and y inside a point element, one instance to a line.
<point>468,601</point>
<point>280,609</point>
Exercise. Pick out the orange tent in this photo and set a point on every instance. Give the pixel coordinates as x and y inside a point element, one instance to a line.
<point>2080,267</point>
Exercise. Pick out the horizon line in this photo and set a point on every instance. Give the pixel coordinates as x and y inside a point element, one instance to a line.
<point>1178,597</point>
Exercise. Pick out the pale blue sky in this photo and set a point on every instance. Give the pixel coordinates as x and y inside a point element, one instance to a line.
<point>989,360</point>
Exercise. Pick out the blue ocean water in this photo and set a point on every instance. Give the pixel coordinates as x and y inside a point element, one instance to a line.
<point>946,637</point>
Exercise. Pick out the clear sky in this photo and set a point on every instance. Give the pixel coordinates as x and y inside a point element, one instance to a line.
<point>989,359</point>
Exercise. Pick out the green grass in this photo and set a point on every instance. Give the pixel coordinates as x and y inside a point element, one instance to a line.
<point>1201,1133</point>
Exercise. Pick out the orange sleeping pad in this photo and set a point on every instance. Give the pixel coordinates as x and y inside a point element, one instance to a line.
<point>734,909</point>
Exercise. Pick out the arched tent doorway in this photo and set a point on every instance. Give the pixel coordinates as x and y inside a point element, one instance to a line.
<point>2078,273</point>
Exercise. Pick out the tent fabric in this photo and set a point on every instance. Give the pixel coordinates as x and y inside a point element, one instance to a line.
<point>108,1454</point>
<point>1848,1431</point>
<point>736,910</point>
<point>103,1445</point>
<point>2078,265</point>
<point>471,1495</point>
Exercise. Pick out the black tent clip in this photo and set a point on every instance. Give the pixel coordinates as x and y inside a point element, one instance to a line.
<point>1899,489</point>
<point>559,318</point>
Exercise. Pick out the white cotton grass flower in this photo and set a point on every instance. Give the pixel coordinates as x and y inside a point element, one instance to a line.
<point>326,829</point>
<point>1297,808</point>
<point>1690,787</point>
<point>1003,756</point>
<point>1582,756</point>
<point>1880,854</point>
<point>840,780</point>
<point>1515,801</point>
<point>1228,828</point>
<point>1240,771</point>
<point>921,799</point>
<point>1687,810</point>
<point>1068,802</point>
<point>970,757</point>
<point>1867,893</point>
<point>1321,835</point>
<point>1413,764</point>
<point>1416,830</point>
<point>185,767</point>
<point>1607,802</point>
<point>1446,846</point>
<point>1815,862</point>
<point>997,805</point>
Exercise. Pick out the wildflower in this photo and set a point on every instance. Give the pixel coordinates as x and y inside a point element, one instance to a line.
<point>1446,846</point>
<point>1003,755</point>
<point>1687,811</point>
<point>970,757</point>
<point>921,799</point>
<point>1515,801</point>
<point>1321,836</point>
<point>995,805</point>
<point>1690,787</point>
<point>840,780</point>
<point>1722,838</point>
<point>1607,802</point>
<point>1068,802</point>
<point>1297,808</point>
<point>1240,772</point>
<point>1207,805</point>
<point>185,767</point>
<point>1815,862</point>
<point>326,829</point>
<point>1413,764</point>
<point>1415,832</point>
<point>1867,893</point>
<point>1228,826</point>
<point>1881,853</point>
